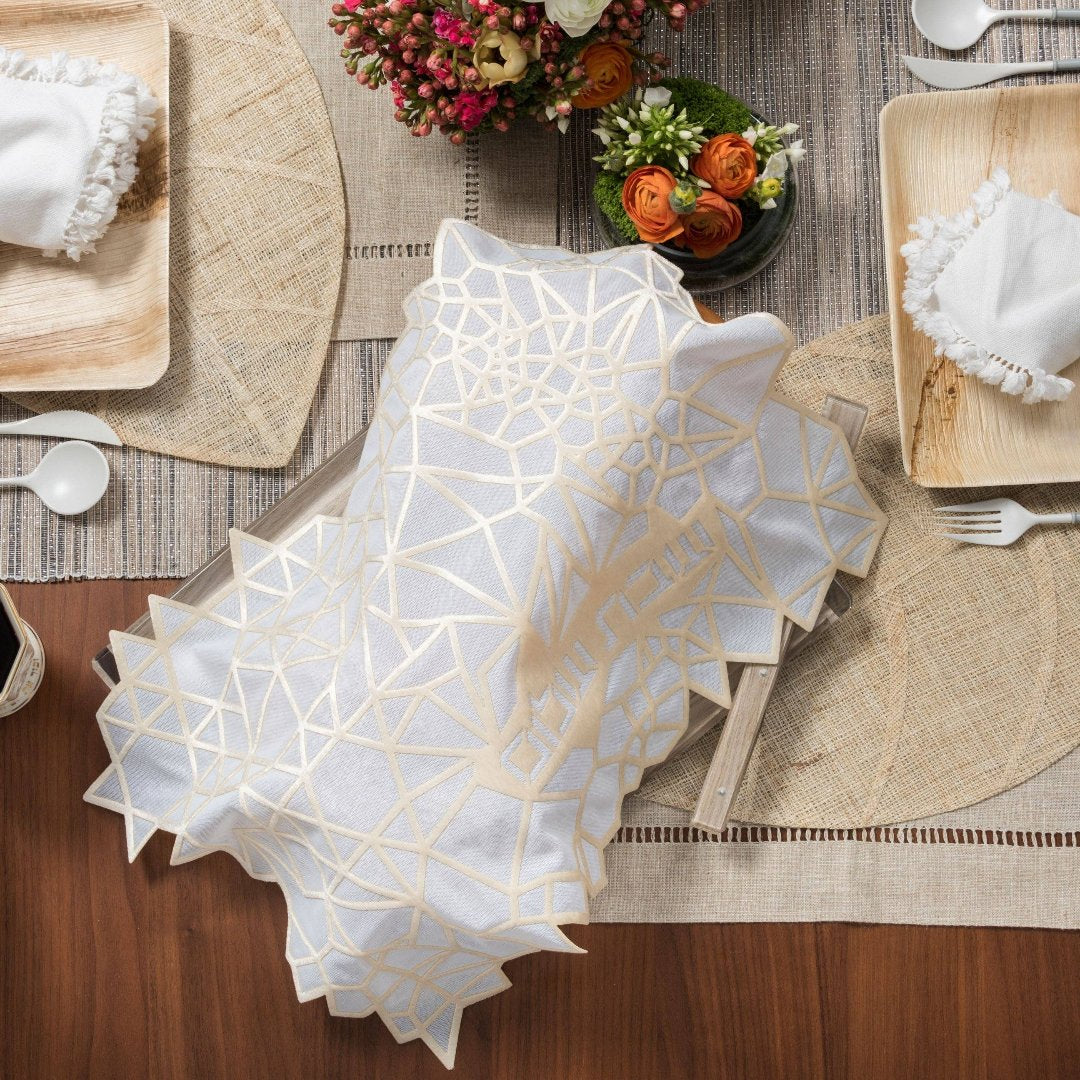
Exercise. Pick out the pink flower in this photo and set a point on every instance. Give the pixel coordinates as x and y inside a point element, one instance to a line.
<point>450,28</point>
<point>445,62</point>
<point>472,107</point>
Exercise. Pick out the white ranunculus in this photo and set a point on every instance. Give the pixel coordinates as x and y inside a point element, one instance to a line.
<point>576,17</point>
<point>656,95</point>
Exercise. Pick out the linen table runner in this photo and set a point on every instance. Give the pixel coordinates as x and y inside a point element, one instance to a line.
<point>1013,860</point>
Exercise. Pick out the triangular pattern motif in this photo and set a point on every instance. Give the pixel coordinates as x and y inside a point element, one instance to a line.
<point>576,504</point>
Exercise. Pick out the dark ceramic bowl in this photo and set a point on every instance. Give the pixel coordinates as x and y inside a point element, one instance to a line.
<point>757,246</point>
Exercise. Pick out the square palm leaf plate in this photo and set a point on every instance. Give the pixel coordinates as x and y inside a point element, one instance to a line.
<point>935,150</point>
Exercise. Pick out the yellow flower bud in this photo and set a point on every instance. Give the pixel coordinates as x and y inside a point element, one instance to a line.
<point>683,198</point>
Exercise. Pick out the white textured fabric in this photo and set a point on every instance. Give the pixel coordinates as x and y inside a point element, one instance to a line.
<point>576,503</point>
<point>998,290</point>
<point>70,129</point>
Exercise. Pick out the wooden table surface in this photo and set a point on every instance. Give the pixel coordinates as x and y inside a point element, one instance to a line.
<point>120,972</point>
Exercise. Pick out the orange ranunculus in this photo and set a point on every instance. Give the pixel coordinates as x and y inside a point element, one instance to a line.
<point>711,226</point>
<point>645,197</point>
<point>610,69</point>
<point>728,163</point>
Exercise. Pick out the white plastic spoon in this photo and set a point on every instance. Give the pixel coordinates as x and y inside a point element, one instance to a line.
<point>958,24</point>
<point>70,478</point>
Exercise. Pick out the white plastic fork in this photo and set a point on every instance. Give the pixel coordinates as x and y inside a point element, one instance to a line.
<point>997,522</point>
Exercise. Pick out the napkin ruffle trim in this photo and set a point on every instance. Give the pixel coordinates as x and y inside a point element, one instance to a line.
<point>939,239</point>
<point>127,118</point>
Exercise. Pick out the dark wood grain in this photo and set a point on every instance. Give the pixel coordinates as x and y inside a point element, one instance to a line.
<point>118,971</point>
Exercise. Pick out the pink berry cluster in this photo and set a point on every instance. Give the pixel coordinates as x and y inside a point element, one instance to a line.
<point>462,65</point>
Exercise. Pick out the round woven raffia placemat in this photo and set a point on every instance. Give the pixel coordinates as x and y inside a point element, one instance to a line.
<point>956,673</point>
<point>257,222</point>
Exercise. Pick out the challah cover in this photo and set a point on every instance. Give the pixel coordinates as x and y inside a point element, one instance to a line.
<point>577,503</point>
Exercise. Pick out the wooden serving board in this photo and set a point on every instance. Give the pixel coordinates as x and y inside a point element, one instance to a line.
<point>935,150</point>
<point>101,323</point>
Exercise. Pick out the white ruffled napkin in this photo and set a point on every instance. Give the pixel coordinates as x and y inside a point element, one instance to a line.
<point>70,130</point>
<point>577,502</point>
<point>997,288</point>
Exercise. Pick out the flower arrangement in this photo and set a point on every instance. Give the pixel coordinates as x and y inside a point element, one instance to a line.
<point>468,65</point>
<point>685,163</point>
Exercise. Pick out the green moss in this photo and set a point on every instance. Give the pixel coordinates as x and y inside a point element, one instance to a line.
<point>716,111</point>
<point>607,191</point>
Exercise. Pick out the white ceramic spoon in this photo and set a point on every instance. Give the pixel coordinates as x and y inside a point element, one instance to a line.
<point>70,478</point>
<point>958,24</point>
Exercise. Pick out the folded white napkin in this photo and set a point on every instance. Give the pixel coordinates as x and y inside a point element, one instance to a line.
<point>70,130</point>
<point>576,503</point>
<point>997,288</point>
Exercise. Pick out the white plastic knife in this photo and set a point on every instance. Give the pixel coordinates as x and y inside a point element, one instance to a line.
<point>65,424</point>
<point>960,74</point>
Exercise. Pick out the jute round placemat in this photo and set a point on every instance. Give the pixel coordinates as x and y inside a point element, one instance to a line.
<point>257,221</point>
<point>956,673</point>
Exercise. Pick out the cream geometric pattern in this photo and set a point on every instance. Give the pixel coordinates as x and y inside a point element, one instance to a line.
<point>577,503</point>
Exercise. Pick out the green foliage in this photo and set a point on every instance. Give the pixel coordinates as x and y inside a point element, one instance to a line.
<point>607,191</point>
<point>636,134</point>
<point>522,89</point>
<point>710,107</point>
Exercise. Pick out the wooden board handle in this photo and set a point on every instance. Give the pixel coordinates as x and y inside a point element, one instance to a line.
<point>737,740</point>
<point>751,698</point>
